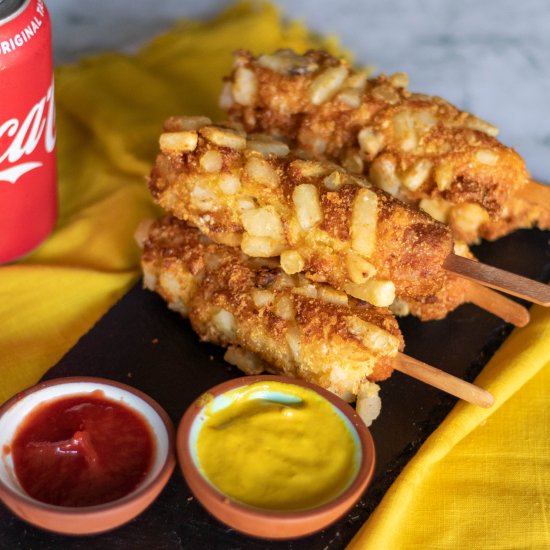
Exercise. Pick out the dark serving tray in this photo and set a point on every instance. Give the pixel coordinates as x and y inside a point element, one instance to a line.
<point>142,343</point>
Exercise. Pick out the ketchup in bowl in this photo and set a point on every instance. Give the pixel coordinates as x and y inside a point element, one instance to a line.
<point>82,450</point>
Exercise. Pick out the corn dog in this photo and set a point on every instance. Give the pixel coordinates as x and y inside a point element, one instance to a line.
<point>318,219</point>
<point>340,232</point>
<point>268,319</point>
<point>279,323</point>
<point>419,148</point>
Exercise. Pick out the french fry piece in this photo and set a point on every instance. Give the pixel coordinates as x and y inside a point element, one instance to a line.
<point>443,381</point>
<point>497,304</point>
<point>496,278</point>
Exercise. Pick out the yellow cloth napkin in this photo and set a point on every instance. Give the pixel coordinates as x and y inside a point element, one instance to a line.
<point>110,111</point>
<point>480,481</point>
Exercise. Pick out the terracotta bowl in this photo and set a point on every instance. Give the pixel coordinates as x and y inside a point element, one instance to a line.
<point>260,522</point>
<point>86,519</point>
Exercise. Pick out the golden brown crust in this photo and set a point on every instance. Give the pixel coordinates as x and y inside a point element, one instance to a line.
<point>452,294</point>
<point>410,246</point>
<point>412,145</point>
<point>297,327</point>
<point>517,213</point>
<point>437,306</point>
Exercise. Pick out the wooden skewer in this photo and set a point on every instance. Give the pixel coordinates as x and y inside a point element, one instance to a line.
<point>497,304</point>
<point>536,193</point>
<point>496,278</point>
<point>443,381</point>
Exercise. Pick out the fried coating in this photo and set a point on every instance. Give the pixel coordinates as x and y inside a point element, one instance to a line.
<point>269,320</point>
<point>322,221</point>
<point>452,294</point>
<point>419,148</point>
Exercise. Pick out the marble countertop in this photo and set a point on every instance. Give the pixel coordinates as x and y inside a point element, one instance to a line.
<point>491,58</point>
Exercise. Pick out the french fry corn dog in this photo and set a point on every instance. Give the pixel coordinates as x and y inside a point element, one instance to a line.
<point>213,177</point>
<point>269,320</point>
<point>281,323</point>
<point>419,148</point>
<point>320,220</point>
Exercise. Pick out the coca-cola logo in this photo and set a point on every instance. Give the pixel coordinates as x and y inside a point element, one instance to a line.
<point>24,137</point>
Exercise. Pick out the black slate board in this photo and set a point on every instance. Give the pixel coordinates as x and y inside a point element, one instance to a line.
<point>142,343</point>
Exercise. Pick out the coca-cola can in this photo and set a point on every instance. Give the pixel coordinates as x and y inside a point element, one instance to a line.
<point>28,189</point>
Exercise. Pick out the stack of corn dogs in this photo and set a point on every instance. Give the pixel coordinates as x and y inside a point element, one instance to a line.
<point>325,205</point>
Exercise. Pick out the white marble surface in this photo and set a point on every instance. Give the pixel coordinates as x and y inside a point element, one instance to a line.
<point>491,57</point>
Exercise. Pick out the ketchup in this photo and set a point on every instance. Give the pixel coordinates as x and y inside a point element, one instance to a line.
<point>82,450</point>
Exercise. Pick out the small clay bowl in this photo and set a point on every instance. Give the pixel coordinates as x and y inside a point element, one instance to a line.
<point>84,520</point>
<point>260,522</point>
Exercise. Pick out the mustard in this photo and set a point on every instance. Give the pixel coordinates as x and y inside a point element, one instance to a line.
<point>277,446</point>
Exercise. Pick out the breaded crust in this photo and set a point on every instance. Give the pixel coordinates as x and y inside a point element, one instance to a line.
<point>251,192</point>
<point>270,320</point>
<point>452,294</point>
<point>415,146</point>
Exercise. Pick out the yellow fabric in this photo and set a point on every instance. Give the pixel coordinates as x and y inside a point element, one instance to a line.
<point>480,481</point>
<point>109,115</point>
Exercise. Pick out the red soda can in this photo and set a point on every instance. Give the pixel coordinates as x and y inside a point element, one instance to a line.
<point>28,188</point>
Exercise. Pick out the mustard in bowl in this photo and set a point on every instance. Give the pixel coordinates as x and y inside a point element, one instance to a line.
<point>274,457</point>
